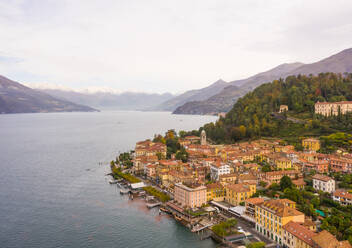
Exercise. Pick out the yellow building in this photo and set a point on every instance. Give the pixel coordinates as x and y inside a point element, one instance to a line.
<point>272,215</point>
<point>227,179</point>
<point>215,191</point>
<point>237,193</point>
<point>311,144</point>
<point>283,163</point>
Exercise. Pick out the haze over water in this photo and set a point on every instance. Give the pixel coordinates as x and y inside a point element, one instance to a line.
<point>53,193</point>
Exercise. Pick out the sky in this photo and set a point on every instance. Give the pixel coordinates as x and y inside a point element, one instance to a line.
<point>162,45</point>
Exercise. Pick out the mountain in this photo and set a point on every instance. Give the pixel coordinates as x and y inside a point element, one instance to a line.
<point>338,63</point>
<point>192,95</point>
<point>230,92</point>
<point>223,101</point>
<point>111,100</point>
<point>17,98</point>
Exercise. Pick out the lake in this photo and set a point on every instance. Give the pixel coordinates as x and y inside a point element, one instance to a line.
<point>53,192</point>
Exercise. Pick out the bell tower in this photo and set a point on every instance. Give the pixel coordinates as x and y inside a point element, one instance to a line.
<point>203,138</point>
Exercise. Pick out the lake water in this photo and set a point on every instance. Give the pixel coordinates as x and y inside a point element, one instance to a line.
<point>53,193</point>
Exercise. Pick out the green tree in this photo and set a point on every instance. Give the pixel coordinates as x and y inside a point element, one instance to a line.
<point>285,182</point>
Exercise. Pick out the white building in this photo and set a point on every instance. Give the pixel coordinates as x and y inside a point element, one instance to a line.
<point>342,197</point>
<point>323,183</point>
<point>217,169</point>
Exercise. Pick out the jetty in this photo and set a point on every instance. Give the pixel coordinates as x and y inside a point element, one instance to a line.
<point>153,205</point>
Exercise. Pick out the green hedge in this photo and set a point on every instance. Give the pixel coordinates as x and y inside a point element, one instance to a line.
<point>224,229</point>
<point>118,173</point>
<point>158,194</point>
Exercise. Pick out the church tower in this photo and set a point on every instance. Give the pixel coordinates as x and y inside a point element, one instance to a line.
<point>203,138</point>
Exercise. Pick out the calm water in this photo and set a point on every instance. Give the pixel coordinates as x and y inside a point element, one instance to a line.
<point>53,193</point>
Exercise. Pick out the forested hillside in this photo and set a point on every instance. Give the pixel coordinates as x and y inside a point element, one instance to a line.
<point>255,114</point>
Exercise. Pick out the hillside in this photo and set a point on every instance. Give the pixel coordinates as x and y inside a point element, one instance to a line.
<point>110,100</point>
<point>192,95</point>
<point>17,98</point>
<point>338,63</point>
<point>252,115</point>
<point>221,102</point>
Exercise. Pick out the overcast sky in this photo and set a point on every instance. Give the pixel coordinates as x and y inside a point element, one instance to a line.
<point>164,46</point>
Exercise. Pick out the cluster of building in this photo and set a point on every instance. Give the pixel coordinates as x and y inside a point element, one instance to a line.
<point>228,173</point>
<point>279,220</point>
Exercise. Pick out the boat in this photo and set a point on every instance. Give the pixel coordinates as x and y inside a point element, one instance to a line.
<point>113,181</point>
<point>164,210</point>
<point>124,191</point>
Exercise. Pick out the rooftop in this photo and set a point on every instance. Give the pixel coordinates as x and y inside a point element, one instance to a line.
<point>300,232</point>
<point>322,177</point>
<point>280,208</point>
<point>324,239</point>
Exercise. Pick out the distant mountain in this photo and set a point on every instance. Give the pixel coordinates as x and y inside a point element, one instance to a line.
<point>230,92</point>
<point>192,95</point>
<point>215,104</point>
<point>17,98</point>
<point>338,63</point>
<point>224,100</point>
<point>111,100</point>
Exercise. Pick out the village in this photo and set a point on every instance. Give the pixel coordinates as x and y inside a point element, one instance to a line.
<point>221,182</point>
<point>259,193</point>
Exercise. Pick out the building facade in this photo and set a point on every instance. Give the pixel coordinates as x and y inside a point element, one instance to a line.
<point>190,196</point>
<point>272,215</point>
<point>237,193</point>
<point>323,183</point>
<point>296,235</point>
<point>217,169</point>
<point>311,144</point>
<point>333,108</point>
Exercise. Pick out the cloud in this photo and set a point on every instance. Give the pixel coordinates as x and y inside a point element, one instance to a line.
<point>160,45</point>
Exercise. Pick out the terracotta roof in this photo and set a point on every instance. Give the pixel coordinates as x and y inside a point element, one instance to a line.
<point>228,175</point>
<point>322,178</point>
<point>299,182</point>
<point>255,200</point>
<point>214,186</point>
<point>192,137</point>
<point>280,208</point>
<point>238,187</point>
<point>324,239</point>
<point>247,177</point>
<point>343,194</point>
<point>300,232</point>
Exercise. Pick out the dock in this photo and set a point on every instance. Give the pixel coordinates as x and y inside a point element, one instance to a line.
<point>153,205</point>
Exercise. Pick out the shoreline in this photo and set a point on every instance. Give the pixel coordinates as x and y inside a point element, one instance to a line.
<point>125,184</point>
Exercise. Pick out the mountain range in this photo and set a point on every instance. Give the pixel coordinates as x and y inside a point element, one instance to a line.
<point>220,97</point>
<point>111,100</point>
<point>17,98</point>
<point>216,98</point>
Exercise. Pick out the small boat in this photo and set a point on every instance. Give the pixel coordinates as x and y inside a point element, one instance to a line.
<point>124,191</point>
<point>161,209</point>
<point>113,181</point>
